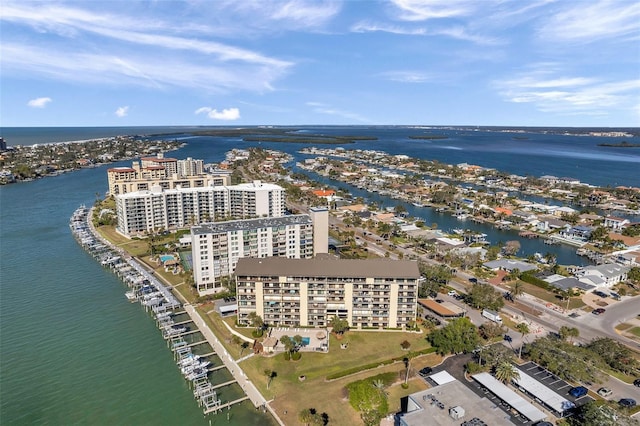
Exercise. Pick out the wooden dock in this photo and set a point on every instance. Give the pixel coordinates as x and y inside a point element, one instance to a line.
<point>226,405</point>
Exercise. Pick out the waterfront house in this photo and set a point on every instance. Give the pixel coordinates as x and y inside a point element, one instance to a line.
<point>509,265</point>
<point>605,275</point>
<point>615,223</point>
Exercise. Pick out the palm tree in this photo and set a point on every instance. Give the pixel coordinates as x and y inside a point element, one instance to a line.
<point>517,288</point>
<point>523,328</point>
<point>270,375</point>
<point>379,385</point>
<point>506,372</point>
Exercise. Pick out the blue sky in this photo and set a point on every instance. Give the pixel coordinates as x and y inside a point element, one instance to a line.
<point>250,62</point>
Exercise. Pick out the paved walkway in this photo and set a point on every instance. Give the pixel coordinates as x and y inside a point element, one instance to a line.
<point>247,386</point>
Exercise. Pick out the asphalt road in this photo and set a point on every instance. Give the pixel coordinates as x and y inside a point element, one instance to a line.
<point>590,326</point>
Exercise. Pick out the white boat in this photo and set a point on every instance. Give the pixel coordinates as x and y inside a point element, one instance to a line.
<point>131,295</point>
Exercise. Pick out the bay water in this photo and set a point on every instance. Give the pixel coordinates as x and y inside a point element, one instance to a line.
<point>74,351</point>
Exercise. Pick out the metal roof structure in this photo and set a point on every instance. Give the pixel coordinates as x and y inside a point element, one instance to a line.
<point>510,397</point>
<point>548,397</point>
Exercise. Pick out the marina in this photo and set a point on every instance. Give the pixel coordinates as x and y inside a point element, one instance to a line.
<point>184,337</point>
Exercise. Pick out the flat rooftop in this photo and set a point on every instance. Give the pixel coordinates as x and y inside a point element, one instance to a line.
<point>245,224</point>
<point>423,412</point>
<point>324,266</point>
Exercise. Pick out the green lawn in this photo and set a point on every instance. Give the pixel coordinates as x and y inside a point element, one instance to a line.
<point>293,395</point>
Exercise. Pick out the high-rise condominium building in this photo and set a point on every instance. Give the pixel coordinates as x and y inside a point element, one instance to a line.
<point>168,173</point>
<point>156,209</point>
<point>378,293</point>
<point>217,247</point>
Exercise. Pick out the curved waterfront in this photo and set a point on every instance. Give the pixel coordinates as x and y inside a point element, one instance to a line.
<point>73,349</point>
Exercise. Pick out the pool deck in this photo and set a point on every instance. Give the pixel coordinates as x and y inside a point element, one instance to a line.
<point>315,343</point>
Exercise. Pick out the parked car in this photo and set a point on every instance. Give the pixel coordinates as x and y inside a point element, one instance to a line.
<point>604,392</point>
<point>599,311</point>
<point>627,402</point>
<point>452,293</point>
<point>600,293</point>
<point>439,300</point>
<point>425,371</point>
<point>636,382</point>
<point>508,338</point>
<point>578,391</point>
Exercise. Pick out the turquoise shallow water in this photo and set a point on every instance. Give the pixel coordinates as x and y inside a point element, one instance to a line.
<point>73,350</point>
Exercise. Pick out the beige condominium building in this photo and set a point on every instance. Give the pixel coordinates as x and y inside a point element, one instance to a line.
<point>167,173</point>
<point>156,209</point>
<point>217,247</point>
<point>369,293</point>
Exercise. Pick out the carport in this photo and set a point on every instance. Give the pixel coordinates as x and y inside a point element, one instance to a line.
<point>508,396</point>
<point>542,393</point>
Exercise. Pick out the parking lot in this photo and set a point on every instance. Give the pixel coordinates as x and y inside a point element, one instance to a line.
<point>556,384</point>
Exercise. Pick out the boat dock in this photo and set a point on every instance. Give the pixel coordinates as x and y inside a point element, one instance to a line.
<point>158,299</point>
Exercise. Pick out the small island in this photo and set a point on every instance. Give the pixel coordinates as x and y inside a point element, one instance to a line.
<point>429,137</point>
<point>623,144</point>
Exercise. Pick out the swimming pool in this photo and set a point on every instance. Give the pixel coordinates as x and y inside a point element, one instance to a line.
<point>306,341</point>
<point>166,257</point>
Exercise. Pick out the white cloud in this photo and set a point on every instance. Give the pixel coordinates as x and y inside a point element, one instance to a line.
<point>322,108</point>
<point>39,102</point>
<point>456,32</point>
<point>421,10</point>
<point>122,111</point>
<point>143,69</point>
<point>408,76</point>
<point>195,62</point>
<point>570,95</point>
<point>227,114</point>
<point>594,20</point>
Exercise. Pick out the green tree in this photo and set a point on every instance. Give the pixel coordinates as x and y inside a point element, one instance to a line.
<point>523,328</point>
<point>490,329</point>
<point>255,320</point>
<point>634,275</point>
<point>309,416</point>
<point>484,296</point>
<point>566,332</point>
<point>506,372</point>
<point>435,277</point>
<point>339,325</point>
<point>594,414</point>
<point>492,252</point>
<point>565,360</point>
<point>494,355</point>
<point>598,234</point>
<point>516,289</point>
<point>459,336</point>
<point>614,354</point>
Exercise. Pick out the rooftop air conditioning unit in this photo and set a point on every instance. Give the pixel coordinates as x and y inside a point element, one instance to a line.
<point>456,412</point>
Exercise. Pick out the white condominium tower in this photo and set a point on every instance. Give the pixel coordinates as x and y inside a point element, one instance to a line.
<point>156,209</point>
<point>368,293</point>
<point>168,173</point>
<point>217,247</point>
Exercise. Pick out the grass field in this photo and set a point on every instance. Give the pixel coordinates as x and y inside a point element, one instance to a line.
<point>292,395</point>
